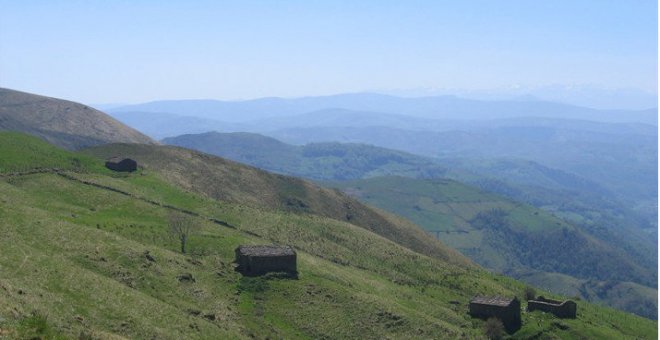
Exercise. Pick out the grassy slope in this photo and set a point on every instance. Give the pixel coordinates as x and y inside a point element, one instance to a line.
<point>76,265</point>
<point>225,180</point>
<point>526,242</point>
<point>22,153</point>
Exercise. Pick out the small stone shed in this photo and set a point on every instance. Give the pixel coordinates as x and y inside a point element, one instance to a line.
<point>262,259</point>
<point>561,309</point>
<point>124,165</point>
<point>505,309</point>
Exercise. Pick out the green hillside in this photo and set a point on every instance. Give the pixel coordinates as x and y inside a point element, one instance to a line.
<point>513,238</point>
<point>23,153</point>
<point>319,161</point>
<point>583,203</point>
<point>225,180</point>
<point>87,254</point>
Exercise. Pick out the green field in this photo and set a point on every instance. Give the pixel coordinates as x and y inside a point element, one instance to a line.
<point>87,254</point>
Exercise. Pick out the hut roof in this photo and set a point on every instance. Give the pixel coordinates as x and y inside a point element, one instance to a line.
<point>118,160</point>
<point>492,300</point>
<point>264,250</point>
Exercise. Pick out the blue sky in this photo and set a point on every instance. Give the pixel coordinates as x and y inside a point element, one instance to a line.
<point>132,51</point>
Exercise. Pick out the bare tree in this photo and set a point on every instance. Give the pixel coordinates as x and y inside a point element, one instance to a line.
<point>494,329</point>
<point>182,227</point>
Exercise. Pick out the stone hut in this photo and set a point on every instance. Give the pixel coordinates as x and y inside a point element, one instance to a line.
<point>505,309</point>
<point>561,309</point>
<point>125,165</point>
<point>262,259</point>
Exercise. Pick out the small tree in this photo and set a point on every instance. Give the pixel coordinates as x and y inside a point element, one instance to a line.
<point>530,293</point>
<point>182,227</point>
<point>494,329</point>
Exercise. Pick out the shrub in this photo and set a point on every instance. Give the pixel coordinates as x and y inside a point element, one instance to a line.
<point>530,293</point>
<point>494,329</point>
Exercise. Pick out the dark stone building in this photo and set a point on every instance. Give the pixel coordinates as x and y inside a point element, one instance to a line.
<point>562,309</point>
<point>259,260</point>
<point>125,165</point>
<point>505,309</point>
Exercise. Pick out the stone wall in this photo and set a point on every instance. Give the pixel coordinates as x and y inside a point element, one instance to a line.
<point>562,309</point>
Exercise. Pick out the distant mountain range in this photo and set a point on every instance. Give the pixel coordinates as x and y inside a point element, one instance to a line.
<point>437,107</point>
<point>517,178</point>
<point>625,163</point>
<point>621,157</point>
<point>61,122</point>
<point>574,139</point>
<point>319,161</point>
<point>617,149</point>
<point>580,95</point>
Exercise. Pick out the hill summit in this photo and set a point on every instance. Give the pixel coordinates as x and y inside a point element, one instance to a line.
<point>61,122</point>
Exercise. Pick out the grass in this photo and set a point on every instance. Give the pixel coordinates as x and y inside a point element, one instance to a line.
<point>22,152</point>
<point>77,254</point>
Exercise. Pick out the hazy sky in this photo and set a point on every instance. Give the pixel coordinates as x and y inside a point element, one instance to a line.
<point>132,51</point>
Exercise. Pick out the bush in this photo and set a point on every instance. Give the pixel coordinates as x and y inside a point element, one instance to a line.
<point>494,329</point>
<point>530,293</point>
